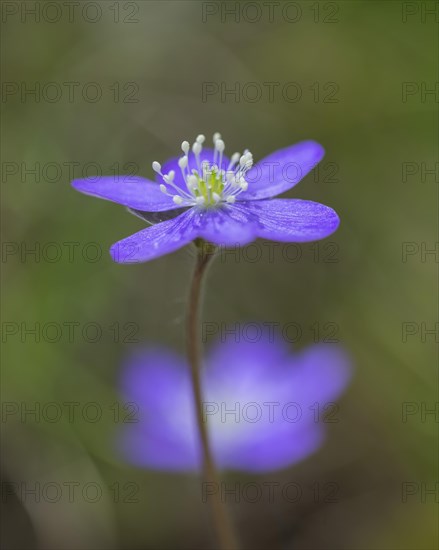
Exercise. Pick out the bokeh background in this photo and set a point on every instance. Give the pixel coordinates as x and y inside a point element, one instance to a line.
<point>364,70</point>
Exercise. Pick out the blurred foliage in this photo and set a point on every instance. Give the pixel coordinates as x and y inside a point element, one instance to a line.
<point>369,133</point>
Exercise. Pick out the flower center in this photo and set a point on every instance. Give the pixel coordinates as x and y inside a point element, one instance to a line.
<point>206,184</point>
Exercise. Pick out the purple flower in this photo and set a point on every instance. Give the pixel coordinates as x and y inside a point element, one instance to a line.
<point>205,195</point>
<point>262,405</point>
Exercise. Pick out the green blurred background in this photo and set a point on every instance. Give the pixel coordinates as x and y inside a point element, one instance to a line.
<point>149,61</point>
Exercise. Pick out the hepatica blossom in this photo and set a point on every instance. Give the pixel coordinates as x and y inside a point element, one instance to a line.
<point>228,202</point>
<point>263,405</point>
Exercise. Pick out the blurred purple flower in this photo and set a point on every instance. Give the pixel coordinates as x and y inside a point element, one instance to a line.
<point>262,405</point>
<point>205,195</point>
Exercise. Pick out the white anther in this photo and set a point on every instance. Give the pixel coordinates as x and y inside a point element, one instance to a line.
<point>196,148</point>
<point>163,189</point>
<point>216,136</point>
<point>243,185</point>
<point>185,147</point>
<point>216,197</point>
<point>242,160</point>
<point>182,162</point>
<point>200,139</point>
<point>235,158</point>
<point>230,199</point>
<point>200,200</point>
<point>177,199</point>
<point>192,182</point>
<point>157,167</point>
<point>219,145</point>
<point>248,156</point>
<point>171,175</point>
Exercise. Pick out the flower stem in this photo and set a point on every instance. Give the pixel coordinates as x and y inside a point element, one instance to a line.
<point>221,520</point>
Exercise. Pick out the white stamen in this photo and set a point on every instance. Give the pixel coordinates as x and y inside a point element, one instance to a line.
<point>157,167</point>
<point>185,147</point>
<point>216,136</point>
<point>230,182</point>
<point>230,199</point>
<point>163,189</point>
<point>196,148</point>
<point>200,139</point>
<point>177,199</point>
<point>216,197</point>
<point>176,188</point>
<point>200,200</point>
<point>220,146</point>
<point>233,160</point>
<point>242,160</point>
<point>192,182</point>
<point>249,158</point>
<point>182,162</point>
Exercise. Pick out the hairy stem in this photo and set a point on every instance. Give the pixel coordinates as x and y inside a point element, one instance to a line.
<point>223,526</point>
